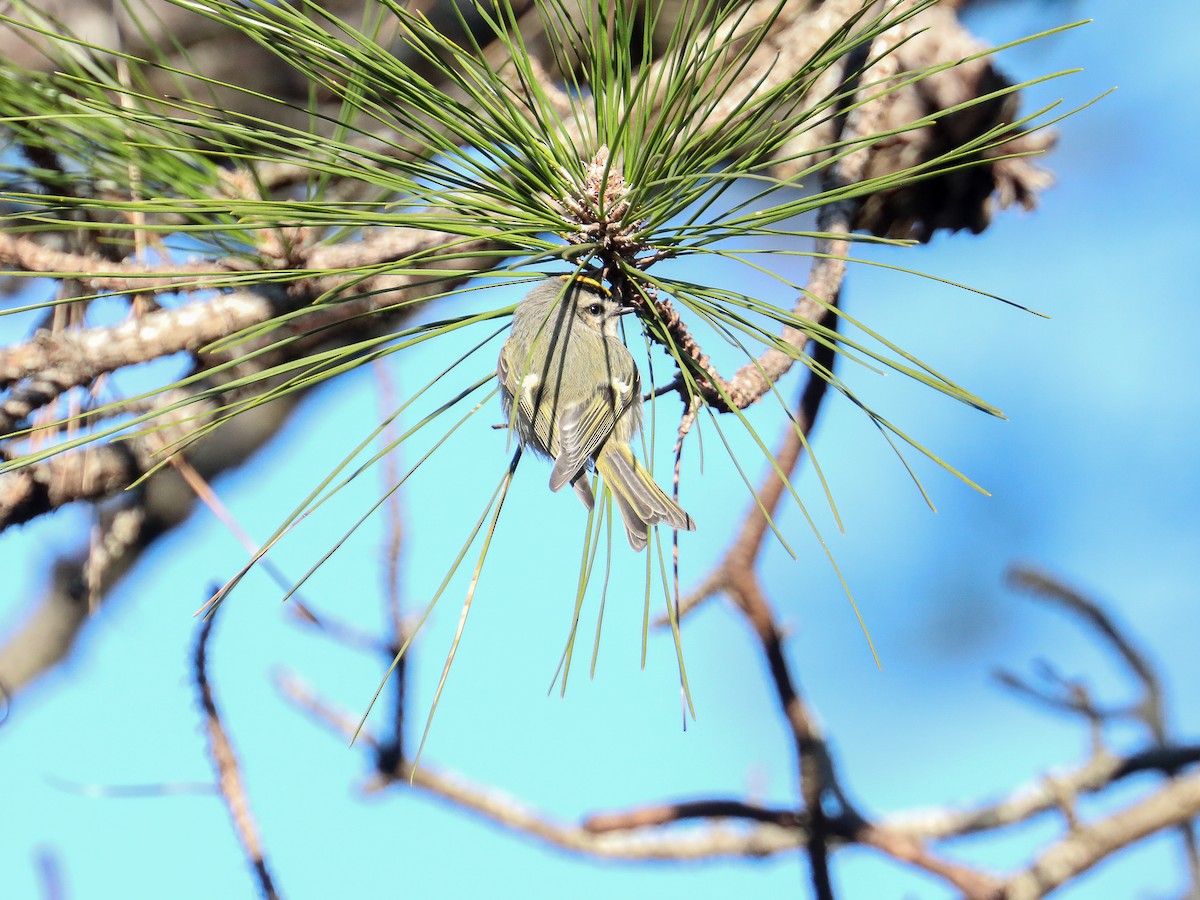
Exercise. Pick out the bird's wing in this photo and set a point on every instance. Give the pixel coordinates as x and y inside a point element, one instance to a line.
<point>523,389</point>
<point>626,381</point>
<point>582,427</point>
<point>504,372</point>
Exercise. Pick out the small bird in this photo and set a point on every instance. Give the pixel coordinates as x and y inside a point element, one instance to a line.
<point>578,398</point>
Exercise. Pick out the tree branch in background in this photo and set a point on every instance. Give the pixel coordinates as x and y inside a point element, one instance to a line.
<point>99,473</point>
<point>724,827</point>
<point>1150,710</point>
<point>225,765</point>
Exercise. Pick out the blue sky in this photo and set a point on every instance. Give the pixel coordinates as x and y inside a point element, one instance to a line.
<point>1091,477</point>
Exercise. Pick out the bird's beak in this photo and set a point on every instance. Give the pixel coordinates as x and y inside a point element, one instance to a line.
<point>626,310</point>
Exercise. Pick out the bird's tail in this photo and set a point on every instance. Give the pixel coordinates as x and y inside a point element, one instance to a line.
<point>641,501</point>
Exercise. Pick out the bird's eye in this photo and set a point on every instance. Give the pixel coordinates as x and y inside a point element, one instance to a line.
<point>595,309</point>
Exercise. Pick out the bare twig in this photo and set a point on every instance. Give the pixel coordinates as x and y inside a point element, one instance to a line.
<point>102,274</point>
<point>53,362</point>
<point>1151,707</point>
<point>666,814</point>
<point>1175,804</point>
<point>50,874</point>
<point>835,220</point>
<point>129,527</point>
<point>1052,590</point>
<point>229,778</point>
<point>507,812</point>
<point>342,633</point>
<point>974,885</point>
<point>298,692</point>
<point>390,756</point>
<point>643,833</point>
<point>1041,795</point>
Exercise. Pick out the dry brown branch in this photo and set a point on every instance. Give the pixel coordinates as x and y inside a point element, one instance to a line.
<point>36,490</point>
<point>98,472</point>
<point>1150,708</point>
<point>714,842</point>
<point>824,282</point>
<point>1050,589</point>
<point>645,832</point>
<point>297,691</point>
<point>102,274</point>
<point>337,631</point>
<point>835,219</point>
<point>647,816</point>
<point>816,775</point>
<point>56,361</point>
<point>390,755</point>
<point>507,812</point>
<point>736,574</point>
<point>973,884</point>
<point>1042,795</point>
<point>127,529</point>
<point>1177,803</point>
<point>72,357</point>
<point>225,765</point>
<point>88,353</point>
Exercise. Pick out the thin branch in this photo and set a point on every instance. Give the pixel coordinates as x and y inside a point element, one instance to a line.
<point>1175,804</point>
<point>670,813</point>
<point>72,357</point>
<point>975,885</point>
<point>1048,588</point>
<point>900,837</point>
<point>67,478</point>
<point>342,633</point>
<point>50,874</point>
<point>835,221</point>
<point>390,755</point>
<point>756,523</point>
<point>54,362</point>
<point>716,842</point>
<point>815,765</point>
<point>295,690</point>
<point>1043,795</point>
<point>225,764</point>
<point>129,526</point>
<point>99,273</point>
<point>1151,707</point>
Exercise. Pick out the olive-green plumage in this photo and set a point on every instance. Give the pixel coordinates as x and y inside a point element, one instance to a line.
<point>579,401</point>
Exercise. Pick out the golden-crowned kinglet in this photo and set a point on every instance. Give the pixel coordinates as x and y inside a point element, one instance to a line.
<point>578,398</point>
